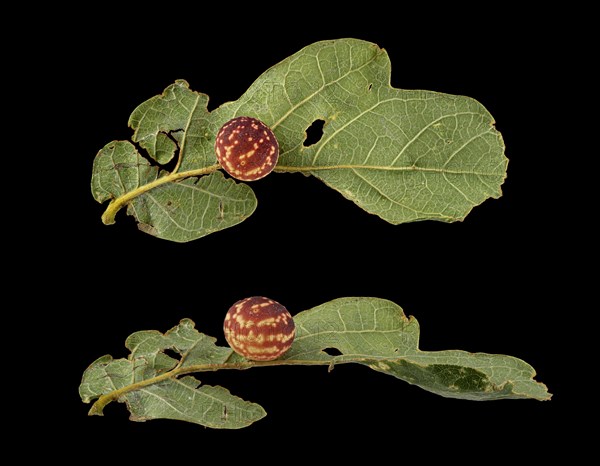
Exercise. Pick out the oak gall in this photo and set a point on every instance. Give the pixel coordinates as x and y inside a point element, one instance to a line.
<point>259,328</point>
<point>246,148</point>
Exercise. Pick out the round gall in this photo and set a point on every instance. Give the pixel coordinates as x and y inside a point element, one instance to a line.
<point>259,328</point>
<point>246,148</point>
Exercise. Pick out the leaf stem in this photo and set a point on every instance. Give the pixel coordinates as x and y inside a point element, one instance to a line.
<point>410,168</point>
<point>108,217</point>
<point>99,405</point>
<point>104,400</point>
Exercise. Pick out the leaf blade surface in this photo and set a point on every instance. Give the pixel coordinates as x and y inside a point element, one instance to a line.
<point>403,155</point>
<point>367,331</point>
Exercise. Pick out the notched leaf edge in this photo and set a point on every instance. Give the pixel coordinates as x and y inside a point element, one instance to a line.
<point>155,385</point>
<point>180,134</point>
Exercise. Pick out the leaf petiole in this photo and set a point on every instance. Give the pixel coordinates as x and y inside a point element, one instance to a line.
<point>104,400</point>
<point>108,217</point>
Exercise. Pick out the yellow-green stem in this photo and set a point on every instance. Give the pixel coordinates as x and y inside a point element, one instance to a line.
<point>117,204</point>
<point>108,218</point>
<point>104,400</point>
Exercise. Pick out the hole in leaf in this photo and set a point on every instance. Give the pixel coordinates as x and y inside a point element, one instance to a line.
<point>332,351</point>
<point>172,163</point>
<point>314,133</point>
<point>172,353</point>
<point>369,87</point>
<point>224,416</point>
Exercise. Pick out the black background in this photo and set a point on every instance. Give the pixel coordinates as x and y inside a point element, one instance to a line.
<point>479,285</point>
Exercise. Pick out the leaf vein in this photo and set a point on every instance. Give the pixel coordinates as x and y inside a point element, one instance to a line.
<point>382,194</point>
<point>167,402</point>
<point>186,132</point>
<point>167,214</point>
<point>425,128</point>
<point>320,89</point>
<point>337,332</point>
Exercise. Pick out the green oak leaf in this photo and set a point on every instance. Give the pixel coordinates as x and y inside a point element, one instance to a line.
<point>403,155</point>
<point>182,398</point>
<point>375,332</point>
<point>372,332</point>
<point>182,211</point>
